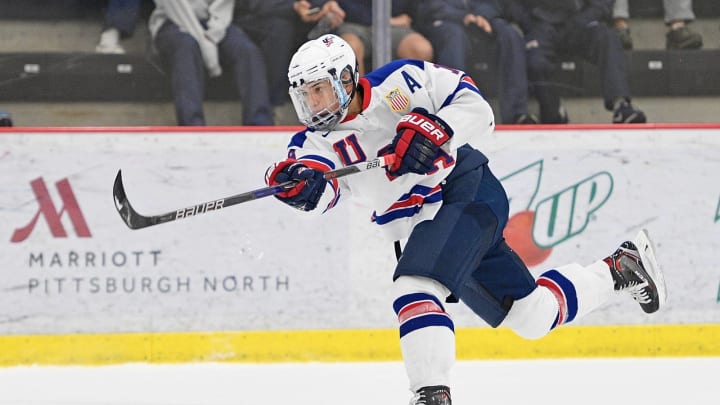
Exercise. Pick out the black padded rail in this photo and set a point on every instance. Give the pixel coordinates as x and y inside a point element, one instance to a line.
<point>50,10</point>
<point>651,73</point>
<point>49,77</point>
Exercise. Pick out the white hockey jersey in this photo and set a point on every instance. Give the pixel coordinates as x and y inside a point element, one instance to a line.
<point>396,204</point>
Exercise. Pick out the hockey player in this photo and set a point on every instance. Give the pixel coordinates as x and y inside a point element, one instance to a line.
<point>441,195</point>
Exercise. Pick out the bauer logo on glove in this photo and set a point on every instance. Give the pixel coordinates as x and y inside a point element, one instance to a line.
<point>423,123</point>
<point>417,143</point>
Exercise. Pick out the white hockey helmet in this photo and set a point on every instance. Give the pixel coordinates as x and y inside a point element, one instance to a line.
<point>318,74</point>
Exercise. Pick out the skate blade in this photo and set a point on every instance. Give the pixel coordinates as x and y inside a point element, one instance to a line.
<point>647,256</point>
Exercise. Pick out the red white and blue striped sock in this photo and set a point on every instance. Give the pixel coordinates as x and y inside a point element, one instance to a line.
<point>563,295</point>
<point>427,339</point>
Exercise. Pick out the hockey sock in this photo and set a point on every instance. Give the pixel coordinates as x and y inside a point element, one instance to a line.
<point>427,333</point>
<point>563,295</point>
<point>591,285</point>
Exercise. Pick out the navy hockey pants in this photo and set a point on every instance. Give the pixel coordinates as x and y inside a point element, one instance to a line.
<point>463,247</point>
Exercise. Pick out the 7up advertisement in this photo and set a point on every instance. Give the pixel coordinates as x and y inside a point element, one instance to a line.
<point>537,225</point>
<point>575,195</point>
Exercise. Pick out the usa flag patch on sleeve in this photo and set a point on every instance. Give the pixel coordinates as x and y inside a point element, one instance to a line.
<point>397,100</point>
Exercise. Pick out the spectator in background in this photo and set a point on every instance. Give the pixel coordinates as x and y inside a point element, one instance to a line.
<point>329,16</point>
<point>5,119</point>
<point>678,13</point>
<point>573,27</point>
<point>450,24</point>
<point>357,31</point>
<point>275,26</point>
<point>196,36</point>
<point>120,19</point>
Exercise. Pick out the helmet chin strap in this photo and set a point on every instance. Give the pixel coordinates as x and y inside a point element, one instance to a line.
<point>352,79</point>
<point>357,91</point>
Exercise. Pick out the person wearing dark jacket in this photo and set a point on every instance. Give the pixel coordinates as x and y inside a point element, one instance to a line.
<point>449,25</point>
<point>119,22</point>
<point>573,27</point>
<point>357,31</point>
<point>275,26</point>
<point>195,39</point>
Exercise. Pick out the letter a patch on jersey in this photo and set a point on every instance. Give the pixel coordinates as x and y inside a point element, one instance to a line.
<point>397,100</point>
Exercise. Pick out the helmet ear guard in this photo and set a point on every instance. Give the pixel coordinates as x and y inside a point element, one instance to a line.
<point>319,73</point>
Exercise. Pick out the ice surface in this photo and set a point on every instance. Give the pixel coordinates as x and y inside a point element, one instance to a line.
<point>557,382</point>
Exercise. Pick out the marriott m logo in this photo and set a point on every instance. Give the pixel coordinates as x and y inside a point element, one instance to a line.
<point>47,209</point>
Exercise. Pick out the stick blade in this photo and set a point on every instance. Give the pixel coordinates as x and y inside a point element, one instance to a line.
<point>131,218</point>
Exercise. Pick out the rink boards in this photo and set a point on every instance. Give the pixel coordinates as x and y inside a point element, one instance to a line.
<point>81,288</point>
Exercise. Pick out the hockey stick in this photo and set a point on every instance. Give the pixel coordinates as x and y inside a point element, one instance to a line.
<point>134,220</point>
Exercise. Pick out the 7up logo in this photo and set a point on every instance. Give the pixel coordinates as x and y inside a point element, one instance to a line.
<point>535,227</point>
<point>567,213</point>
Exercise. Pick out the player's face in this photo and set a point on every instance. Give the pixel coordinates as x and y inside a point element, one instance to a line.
<point>320,96</point>
<point>320,103</point>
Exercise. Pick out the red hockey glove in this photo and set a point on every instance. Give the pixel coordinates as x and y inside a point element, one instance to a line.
<point>306,194</point>
<point>417,143</point>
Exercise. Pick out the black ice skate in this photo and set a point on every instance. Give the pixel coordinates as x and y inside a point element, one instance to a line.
<point>635,270</point>
<point>435,395</point>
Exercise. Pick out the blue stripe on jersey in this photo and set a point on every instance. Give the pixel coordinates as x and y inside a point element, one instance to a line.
<point>404,212</point>
<point>327,162</point>
<point>461,85</point>
<point>431,319</point>
<point>470,87</point>
<point>378,76</point>
<point>568,291</point>
<point>403,301</point>
<point>409,204</point>
<point>336,191</point>
<point>298,140</point>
